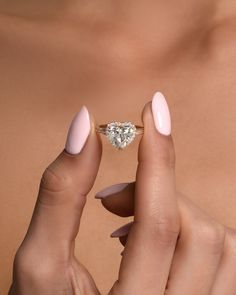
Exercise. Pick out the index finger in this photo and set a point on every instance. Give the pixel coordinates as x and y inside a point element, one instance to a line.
<point>152,239</point>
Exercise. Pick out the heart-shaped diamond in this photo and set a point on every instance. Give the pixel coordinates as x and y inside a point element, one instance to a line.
<point>120,134</point>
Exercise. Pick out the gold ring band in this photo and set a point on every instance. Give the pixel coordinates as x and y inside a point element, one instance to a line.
<point>103,127</point>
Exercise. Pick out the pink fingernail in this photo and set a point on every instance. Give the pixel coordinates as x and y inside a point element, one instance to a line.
<point>111,190</point>
<point>122,231</point>
<point>78,132</point>
<point>161,114</point>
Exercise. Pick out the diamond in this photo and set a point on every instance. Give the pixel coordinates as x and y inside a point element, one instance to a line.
<point>120,134</point>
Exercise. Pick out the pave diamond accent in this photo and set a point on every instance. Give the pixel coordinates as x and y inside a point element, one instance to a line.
<point>120,134</point>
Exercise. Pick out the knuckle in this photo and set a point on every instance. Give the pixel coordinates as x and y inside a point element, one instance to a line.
<point>55,184</point>
<point>163,231</point>
<point>24,263</point>
<point>167,230</point>
<point>230,240</point>
<point>201,228</point>
<point>55,180</point>
<point>29,266</point>
<point>212,235</point>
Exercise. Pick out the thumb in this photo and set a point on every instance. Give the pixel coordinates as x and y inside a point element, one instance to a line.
<point>64,186</point>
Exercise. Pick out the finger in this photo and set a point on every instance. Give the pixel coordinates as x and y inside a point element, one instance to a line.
<point>225,278</point>
<point>198,252</point>
<point>123,240</point>
<point>64,186</point>
<point>118,198</point>
<point>152,239</point>
<point>200,243</point>
<point>122,233</point>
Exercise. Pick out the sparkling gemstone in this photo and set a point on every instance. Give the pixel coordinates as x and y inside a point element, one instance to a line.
<point>120,134</point>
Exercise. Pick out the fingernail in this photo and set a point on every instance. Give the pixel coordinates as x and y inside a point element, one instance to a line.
<point>111,190</point>
<point>161,114</point>
<point>122,231</point>
<point>78,132</point>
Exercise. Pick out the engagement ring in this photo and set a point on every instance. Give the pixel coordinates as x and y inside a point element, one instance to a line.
<point>120,134</point>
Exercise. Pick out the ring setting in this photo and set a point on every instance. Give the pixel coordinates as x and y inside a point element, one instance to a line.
<point>120,134</point>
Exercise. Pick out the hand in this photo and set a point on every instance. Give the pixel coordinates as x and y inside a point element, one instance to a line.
<point>45,263</point>
<point>171,247</point>
<point>203,256</point>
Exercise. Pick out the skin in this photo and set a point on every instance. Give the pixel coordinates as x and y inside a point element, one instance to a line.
<point>169,236</point>
<point>46,76</point>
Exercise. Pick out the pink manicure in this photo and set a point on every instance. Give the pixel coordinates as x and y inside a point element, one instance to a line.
<point>111,190</point>
<point>78,132</point>
<point>161,114</point>
<point>122,231</point>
